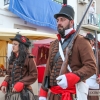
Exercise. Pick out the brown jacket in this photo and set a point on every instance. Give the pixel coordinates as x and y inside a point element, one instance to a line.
<point>29,73</point>
<point>81,61</point>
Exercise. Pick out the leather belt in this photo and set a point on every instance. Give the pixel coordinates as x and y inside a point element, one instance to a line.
<point>72,95</point>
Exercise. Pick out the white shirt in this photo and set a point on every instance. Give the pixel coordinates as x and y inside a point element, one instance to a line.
<point>91,10</point>
<point>92,81</point>
<point>66,32</point>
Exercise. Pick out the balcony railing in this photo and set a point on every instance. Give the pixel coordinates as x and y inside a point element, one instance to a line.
<point>92,19</point>
<point>6,2</point>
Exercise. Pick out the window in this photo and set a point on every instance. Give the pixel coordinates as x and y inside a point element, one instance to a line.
<point>59,1</point>
<point>16,26</point>
<point>6,2</point>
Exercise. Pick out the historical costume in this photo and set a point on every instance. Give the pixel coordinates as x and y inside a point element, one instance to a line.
<point>92,81</point>
<point>81,60</point>
<point>21,72</point>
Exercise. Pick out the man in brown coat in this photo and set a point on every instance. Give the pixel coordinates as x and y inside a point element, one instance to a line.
<point>81,60</point>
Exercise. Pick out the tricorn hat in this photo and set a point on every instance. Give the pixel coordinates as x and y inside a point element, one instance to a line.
<point>22,39</point>
<point>66,11</point>
<point>89,36</point>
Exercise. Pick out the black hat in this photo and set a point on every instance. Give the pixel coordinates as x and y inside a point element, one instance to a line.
<point>66,11</point>
<point>22,39</point>
<point>89,36</point>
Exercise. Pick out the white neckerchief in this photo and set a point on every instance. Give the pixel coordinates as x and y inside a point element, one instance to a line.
<point>93,48</point>
<point>66,32</point>
<point>60,48</point>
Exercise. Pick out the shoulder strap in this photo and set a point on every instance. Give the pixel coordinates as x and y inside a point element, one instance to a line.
<point>64,45</point>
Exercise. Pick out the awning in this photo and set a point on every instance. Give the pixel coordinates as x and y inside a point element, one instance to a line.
<point>41,50</point>
<point>38,12</point>
<point>5,34</point>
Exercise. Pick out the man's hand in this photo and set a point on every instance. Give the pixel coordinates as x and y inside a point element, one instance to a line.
<point>62,81</point>
<point>98,80</point>
<point>67,80</point>
<point>4,89</point>
<point>14,90</point>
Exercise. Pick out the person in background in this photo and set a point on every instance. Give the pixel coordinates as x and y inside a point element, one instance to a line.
<point>93,81</point>
<point>22,71</point>
<point>92,19</point>
<point>98,79</point>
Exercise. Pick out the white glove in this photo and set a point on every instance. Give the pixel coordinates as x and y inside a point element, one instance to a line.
<point>62,81</point>
<point>42,98</point>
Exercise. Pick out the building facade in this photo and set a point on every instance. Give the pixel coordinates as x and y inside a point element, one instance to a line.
<point>90,23</point>
<point>9,20</point>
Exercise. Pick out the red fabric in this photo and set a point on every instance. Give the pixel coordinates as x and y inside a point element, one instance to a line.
<point>65,92</point>
<point>98,44</point>
<point>59,37</point>
<point>19,86</point>
<point>16,54</point>
<point>72,79</point>
<point>4,83</point>
<point>99,76</point>
<point>41,51</point>
<point>64,5</point>
<point>23,39</point>
<point>43,93</point>
<point>41,70</point>
<point>43,55</point>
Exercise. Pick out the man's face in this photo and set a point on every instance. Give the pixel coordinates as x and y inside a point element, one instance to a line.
<point>93,4</point>
<point>63,24</point>
<point>92,42</point>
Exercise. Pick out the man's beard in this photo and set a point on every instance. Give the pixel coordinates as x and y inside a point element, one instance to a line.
<point>62,30</point>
